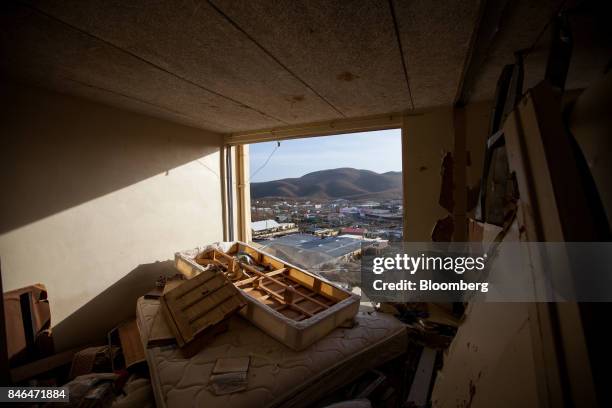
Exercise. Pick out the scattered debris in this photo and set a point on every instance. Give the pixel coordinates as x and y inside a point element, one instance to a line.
<point>429,324</point>
<point>281,298</point>
<point>356,403</point>
<point>154,294</point>
<point>137,392</point>
<point>194,308</point>
<point>229,375</point>
<point>93,359</point>
<point>91,390</point>
<point>421,385</point>
<point>27,319</point>
<point>131,346</point>
<point>44,365</point>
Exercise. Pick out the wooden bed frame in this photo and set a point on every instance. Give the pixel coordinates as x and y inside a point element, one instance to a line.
<point>290,304</point>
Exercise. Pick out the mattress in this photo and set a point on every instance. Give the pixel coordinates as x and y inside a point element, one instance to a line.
<point>277,376</point>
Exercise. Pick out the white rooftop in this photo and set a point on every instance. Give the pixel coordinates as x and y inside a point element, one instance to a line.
<point>264,225</point>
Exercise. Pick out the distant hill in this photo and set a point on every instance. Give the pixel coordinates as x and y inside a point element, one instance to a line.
<point>331,184</point>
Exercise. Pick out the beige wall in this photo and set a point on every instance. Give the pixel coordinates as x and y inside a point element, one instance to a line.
<point>490,359</point>
<point>93,196</point>
<point>428,136</point>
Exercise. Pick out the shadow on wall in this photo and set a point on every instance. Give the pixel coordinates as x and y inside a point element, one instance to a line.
<point>90,323</point>
<point>58,151</point>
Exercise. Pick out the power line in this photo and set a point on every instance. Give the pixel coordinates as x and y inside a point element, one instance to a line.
<point>265,163</point>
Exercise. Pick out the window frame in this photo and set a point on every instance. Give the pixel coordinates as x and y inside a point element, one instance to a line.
<point>237,214</point>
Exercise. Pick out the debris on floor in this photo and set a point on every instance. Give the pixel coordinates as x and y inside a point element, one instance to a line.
<point>196,309</point>
<point>421,384</point>
<point>27,319</point>
<point>290,304</point>
<point>93,359</point>
<point>193,315</point>
<point>356,403</point>
<point>137,392</point>
<point>429,324</point>
<point>92,390</point>
<point>131,346</point>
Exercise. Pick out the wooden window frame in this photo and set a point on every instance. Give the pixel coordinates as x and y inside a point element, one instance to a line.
<point>237,199</point>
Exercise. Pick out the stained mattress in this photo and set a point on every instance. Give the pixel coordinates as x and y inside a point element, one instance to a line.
<point>278,376</point>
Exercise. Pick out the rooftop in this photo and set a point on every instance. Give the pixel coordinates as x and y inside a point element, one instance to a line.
<point>334,247</point>
<point>264,225</point>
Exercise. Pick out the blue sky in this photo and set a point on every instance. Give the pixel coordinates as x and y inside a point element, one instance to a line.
<point>379,151</point>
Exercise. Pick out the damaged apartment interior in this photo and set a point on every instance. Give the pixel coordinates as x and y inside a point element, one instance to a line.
<point>129,270</point>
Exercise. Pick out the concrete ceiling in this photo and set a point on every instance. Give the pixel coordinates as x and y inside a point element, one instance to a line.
<point>232,65</point>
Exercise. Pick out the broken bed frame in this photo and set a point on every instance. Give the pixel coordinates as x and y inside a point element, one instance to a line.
<point>288,303</point>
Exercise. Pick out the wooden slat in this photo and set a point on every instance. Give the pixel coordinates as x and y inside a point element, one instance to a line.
<point>265,260</point>
<point>205,262</point>
<point>282,299</point>
<point>172,325</point>
<point>250,280</point>
<point>217,315</point>
<point>307,296</point>
<point>308,292</point>
<point>281,285</point>
<point>194,295</point>
<point>281,308</point>
<point>295,275</point>
<point>214,300</point>
<point>190,284</point>
<point>288,295</point>
<point>325,300</point>
<point>131,345</point>
<point>267,276</point>
<point>263,275</point>
<point>298,298</point>
<point>199,303</point>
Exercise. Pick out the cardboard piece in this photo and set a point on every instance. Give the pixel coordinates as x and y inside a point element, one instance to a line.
<point>229,375</point>
<point>133,351</point>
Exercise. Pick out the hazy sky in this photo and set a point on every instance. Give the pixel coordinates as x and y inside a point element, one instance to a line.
<point>380,151</point>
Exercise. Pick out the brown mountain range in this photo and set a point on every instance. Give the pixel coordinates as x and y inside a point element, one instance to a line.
<point>346,183</point>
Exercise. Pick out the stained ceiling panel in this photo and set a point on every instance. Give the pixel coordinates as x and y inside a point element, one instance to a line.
<point>36,45</point>
<point>195,42</point>
<point>435,41</point>
<point>346,50</point>
<point>234,65</point>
